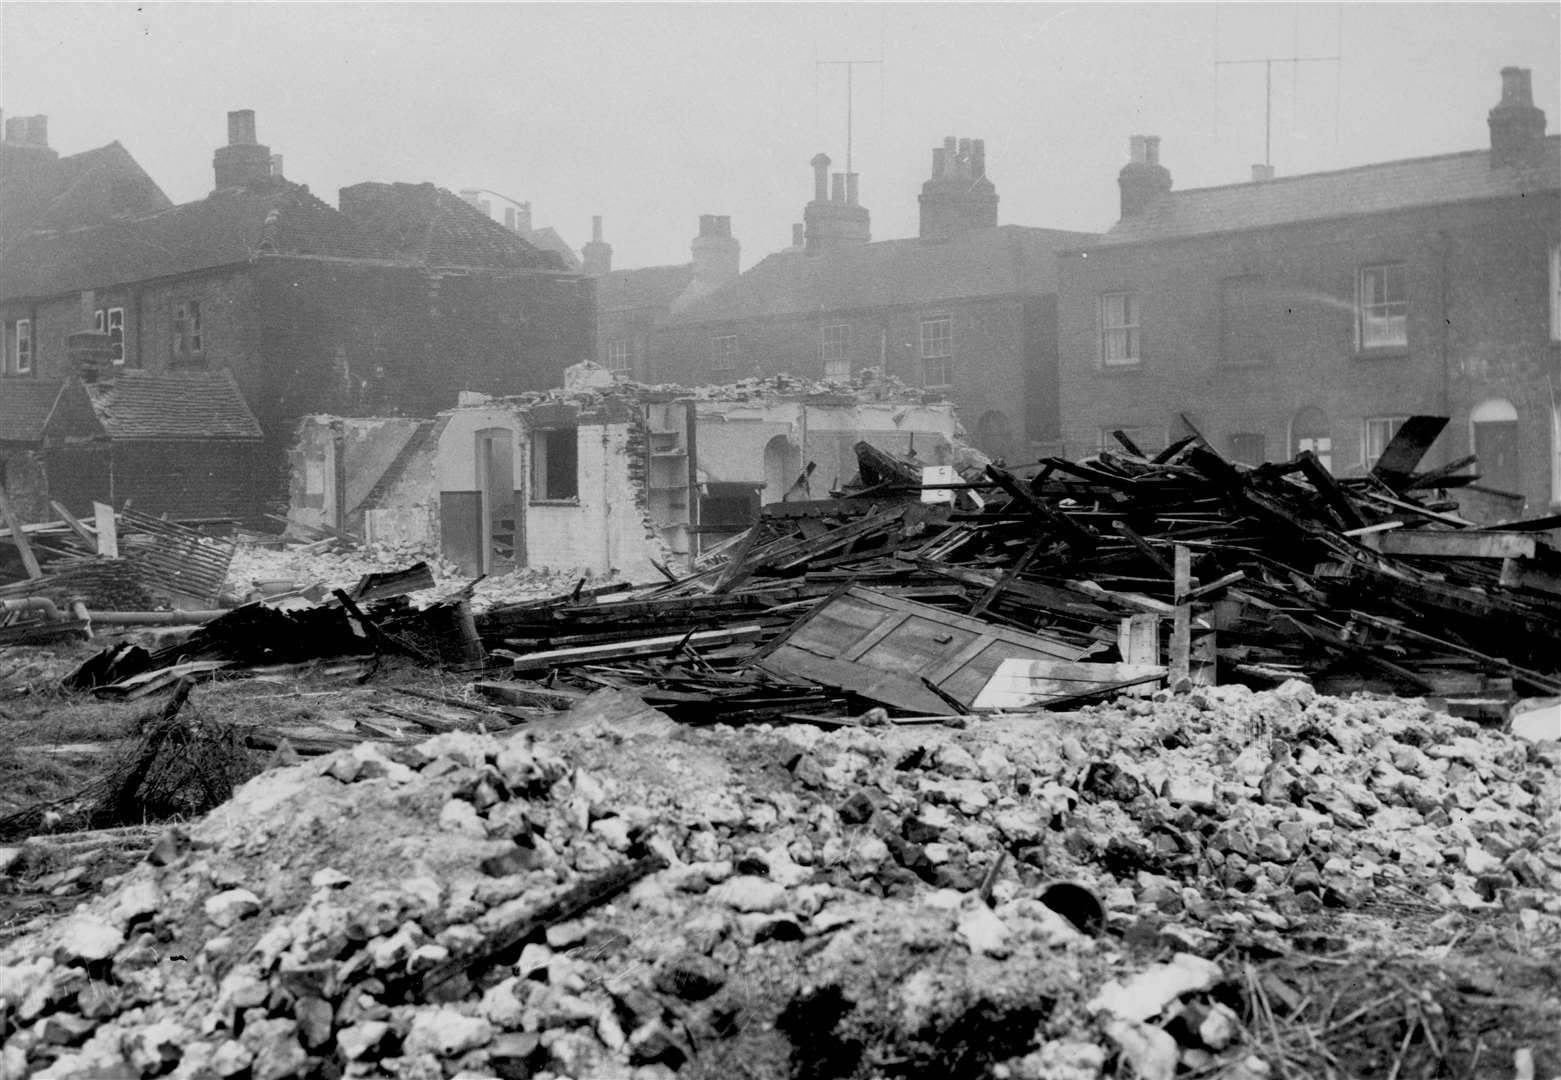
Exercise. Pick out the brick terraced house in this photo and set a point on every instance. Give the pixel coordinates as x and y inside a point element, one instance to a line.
<point>391,304</point>
<point>1318,311</point>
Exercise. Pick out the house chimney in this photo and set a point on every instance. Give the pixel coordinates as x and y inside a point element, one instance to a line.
<point>1143,179</point>
<point>1261,173</point>
<point>716,253</point>
<point>243,161</point>
<point>958,197</point>
<point>820,165</point>
<point>851,188</point>
<point>1517,124</point>
<point>832,218</point>
<point>522,219</point>
<point>596,257</point>
<point>471,196</point>
<point>27,131</point>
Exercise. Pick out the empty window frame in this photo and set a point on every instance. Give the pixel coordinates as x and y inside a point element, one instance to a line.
<point>834,343</point>
<point>187,336</point>
<point>1379,432</point>
<point>723,353</point>
<point>1310,430</point>
<point>111,321</point>
<point>1383,304</point>
<point>1119,328</point>
<point>555,465</point>
<point>618,352</point>
<point>19,347</point>
<point>1247,447</point>
<point>937,351</point>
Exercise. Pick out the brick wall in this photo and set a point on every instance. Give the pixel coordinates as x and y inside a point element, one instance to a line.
<point>1002,347</point>
<point>1476,278</point>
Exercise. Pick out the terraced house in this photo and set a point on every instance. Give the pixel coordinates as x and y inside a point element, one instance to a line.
<point>965,310</point>
<point>390,304</point>
<point>1317,312</point>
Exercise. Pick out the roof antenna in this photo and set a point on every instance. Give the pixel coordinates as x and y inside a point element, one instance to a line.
<point>1268,63</point>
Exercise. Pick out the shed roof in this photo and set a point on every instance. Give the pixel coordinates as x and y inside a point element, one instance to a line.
<point>169,405</point>
<point>25,405</point>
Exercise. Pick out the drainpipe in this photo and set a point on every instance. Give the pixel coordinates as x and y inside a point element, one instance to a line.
<point>1442,244</point>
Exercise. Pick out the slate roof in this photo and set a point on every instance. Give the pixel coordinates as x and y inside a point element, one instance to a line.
<point>170,405</point>
<point>41,190</point>
<point>1366,189</point>
<point>646,287</point>
<point>440,229</point>
<point>229,226</point>
<point>1005,260</point>
<point>25,405</point>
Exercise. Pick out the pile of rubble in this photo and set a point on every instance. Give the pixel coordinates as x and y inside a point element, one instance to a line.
<point>1037,896</point>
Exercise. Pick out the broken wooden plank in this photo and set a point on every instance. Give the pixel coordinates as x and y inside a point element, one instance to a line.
<point>1462,544</point>
<point>19,538</point>
<point>107,530</point>
<point>1403,452</point>
<point>75,524</point>
<point>665,645</point>
<point>1181,619</point>
<point>1516,574</point>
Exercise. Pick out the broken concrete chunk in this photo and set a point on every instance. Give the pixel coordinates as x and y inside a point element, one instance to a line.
<point>1147,994</point>
<point>226,908</point>
<point>87,939</point>
<point>751,894</point>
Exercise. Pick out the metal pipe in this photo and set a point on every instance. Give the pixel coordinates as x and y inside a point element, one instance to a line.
<point>153,618</point>
<point>33,603</point>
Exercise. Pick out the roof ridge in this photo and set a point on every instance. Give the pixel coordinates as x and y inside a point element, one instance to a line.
<point>1290,179</point>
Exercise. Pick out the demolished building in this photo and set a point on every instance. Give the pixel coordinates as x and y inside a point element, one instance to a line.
<point>603,476</point>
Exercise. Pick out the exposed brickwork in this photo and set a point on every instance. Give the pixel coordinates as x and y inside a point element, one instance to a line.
<point>1477,328</point>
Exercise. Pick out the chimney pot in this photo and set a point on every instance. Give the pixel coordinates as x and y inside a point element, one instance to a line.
<point>851,188</point>
<point>241,127</point>
<point>596,228</point>
<point>1262,172</point>
<point>1137,149</point>
<point>1517,86</point>
<point>938,162</point>
<point>837,187</point>
<point>820,165</point>
<point>1143,179</point>
<point>977,158</point>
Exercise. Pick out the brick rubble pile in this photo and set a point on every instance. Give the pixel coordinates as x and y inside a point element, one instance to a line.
<point>821,911</point>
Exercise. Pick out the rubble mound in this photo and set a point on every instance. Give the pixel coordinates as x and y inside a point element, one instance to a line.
<point>1273,872</point>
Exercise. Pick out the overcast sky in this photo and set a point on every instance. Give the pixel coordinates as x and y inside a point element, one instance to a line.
<point>652,114</point>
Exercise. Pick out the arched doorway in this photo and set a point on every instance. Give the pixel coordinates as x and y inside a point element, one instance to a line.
<point>1309,430</point>
<point>1493,435</point>
<point>994,436</point>
<point>782,465</point>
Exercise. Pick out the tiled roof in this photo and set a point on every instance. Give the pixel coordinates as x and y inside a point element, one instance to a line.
<point>171,405</point>
<point>229,226</point>
<point>1368,189</point>
<point>646,287</point>
<point>547,239</point>
<point>440,229</point>
<point>25,405</point>
<point>1002,261</point>
<point>40,190</point>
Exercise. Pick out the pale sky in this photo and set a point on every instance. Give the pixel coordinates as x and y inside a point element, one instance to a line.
<point>652,114</point>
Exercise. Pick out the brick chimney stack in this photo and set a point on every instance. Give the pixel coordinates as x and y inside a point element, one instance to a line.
<point>834,217</point>
<point>958,197</point>
<point>27,131</point>
<point>243,161</point>
<point>1143,179</point>
<point>1517,124</point>
<point>596,256</point>
<point>716,252</point>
